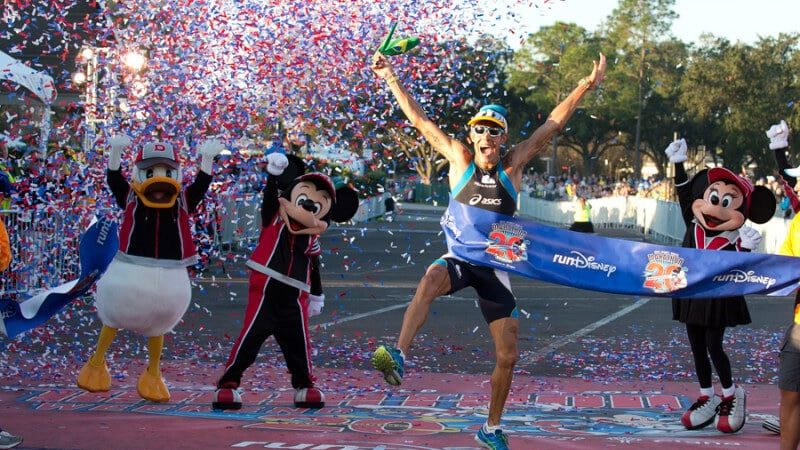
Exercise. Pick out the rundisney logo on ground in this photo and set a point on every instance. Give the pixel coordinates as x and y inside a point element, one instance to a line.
<point>740,276</point>
<point>582,261</point>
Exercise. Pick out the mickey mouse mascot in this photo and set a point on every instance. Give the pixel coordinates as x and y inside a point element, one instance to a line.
<point>146,288</point>
<point>715,205</point>
<point>285,287</point>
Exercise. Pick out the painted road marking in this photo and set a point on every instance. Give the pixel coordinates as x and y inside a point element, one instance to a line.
<point>362,315</point>
<point>544,351</point>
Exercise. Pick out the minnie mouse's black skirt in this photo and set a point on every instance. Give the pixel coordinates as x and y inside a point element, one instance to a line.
<point>711,312</point>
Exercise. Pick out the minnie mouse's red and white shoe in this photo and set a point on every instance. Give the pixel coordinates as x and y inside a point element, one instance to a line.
<point>702,412</point>
<point>732,412</point>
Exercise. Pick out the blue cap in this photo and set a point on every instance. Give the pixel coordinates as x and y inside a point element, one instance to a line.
<point>491,113</point>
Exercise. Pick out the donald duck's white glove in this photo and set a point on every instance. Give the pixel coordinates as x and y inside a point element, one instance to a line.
<point>778,136</point>
<point>117,144</point>
<point>315,304</point>
<point>208,150</point>
<point>676,151</point>
<point>750,237</point>
<point>277,163</point>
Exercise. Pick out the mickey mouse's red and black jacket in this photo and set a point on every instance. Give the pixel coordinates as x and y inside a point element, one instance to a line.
<point>290,258</point>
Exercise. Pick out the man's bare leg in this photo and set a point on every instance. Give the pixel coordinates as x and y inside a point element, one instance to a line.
<point>505,335</point>
<point>391,361</point>
<point>790,419</point>
<point>434,283</point>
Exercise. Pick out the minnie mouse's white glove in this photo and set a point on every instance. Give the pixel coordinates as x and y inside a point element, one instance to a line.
<point>276,163</point>
<point>315,304</point>
<point>750,237</point>
<point>778,136</point>
<point>676,151</point>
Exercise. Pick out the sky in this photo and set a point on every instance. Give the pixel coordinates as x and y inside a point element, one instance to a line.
<point>736,20</point>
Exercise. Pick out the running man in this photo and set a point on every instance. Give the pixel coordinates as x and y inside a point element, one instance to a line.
<point>482,177</point>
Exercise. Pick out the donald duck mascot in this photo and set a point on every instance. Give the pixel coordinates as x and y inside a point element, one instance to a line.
<point>146,288</point>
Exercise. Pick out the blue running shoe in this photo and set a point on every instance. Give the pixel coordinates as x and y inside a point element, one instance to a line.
<point>388,360</point>
<point>494,441</point>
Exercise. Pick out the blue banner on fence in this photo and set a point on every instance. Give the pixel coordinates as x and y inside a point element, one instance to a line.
<point>97,248</point>
<point>611,265</point>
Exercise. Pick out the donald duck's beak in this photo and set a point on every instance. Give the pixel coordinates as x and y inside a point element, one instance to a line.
<point>158,192</point>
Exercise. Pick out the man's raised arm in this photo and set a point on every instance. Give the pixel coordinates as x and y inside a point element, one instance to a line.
<point>527,149</point>
<point>448,147</point>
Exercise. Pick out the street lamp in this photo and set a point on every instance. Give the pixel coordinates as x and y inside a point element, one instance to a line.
<point>88,78</point>
<point>134,60</point>
<point>79,78</point>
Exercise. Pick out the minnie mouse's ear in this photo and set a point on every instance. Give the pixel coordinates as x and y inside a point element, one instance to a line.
<point>295,168</point>
<point>699,184</point>
<point>762,205</point>
<point>346,205</point>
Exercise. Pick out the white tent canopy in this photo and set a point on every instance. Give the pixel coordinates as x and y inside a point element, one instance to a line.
<point>41,84</point>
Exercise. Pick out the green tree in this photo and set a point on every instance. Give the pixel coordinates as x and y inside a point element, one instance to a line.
<point>735,91</point>
<point>546,69</point>
<point>634,28</point>
<point>665,118</point>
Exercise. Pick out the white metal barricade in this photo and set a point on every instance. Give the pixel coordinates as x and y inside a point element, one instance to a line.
<point>44,250</point>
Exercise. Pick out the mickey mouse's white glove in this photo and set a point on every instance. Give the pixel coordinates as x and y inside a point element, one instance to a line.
<point>750,237</point>
<point>277,163</point>
<point>778,136</point>
<point>676,151</point>
<point>315,304</point>
<point>208,150</point>
<point>117,144</point>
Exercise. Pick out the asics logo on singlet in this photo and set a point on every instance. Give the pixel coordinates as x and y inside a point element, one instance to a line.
<point>478,198</point>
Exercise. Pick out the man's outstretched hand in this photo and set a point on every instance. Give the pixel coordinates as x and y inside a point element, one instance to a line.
<point>382,67</point>
<point>598,73</point>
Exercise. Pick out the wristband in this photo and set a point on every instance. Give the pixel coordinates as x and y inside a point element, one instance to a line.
<point>586,82</point>
<point>391,79</point>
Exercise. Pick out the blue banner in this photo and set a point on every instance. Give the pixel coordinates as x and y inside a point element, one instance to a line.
<point>611,265</point>
<point>97,248</point>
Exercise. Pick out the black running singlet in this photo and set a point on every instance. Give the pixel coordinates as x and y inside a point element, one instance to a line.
<point>491,190</point>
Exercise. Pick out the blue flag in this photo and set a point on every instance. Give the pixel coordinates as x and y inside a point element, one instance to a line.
<point>611,265</point>
<point>97,248</point>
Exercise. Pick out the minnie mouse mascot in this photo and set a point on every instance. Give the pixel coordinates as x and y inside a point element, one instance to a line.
<point>715,204</point>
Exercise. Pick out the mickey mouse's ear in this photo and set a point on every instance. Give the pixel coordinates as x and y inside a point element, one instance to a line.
<point>295,168</point>
<point>346,205</point>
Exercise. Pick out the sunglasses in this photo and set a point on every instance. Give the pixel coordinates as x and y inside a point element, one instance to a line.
<point>493,131</point>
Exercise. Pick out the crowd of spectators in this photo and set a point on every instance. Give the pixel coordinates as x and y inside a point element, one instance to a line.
<point>567,187</point>
<point>571,186</point>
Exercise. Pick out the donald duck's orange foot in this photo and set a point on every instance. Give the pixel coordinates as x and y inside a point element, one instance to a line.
<point>94,378</point>
<point>152,388</point>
